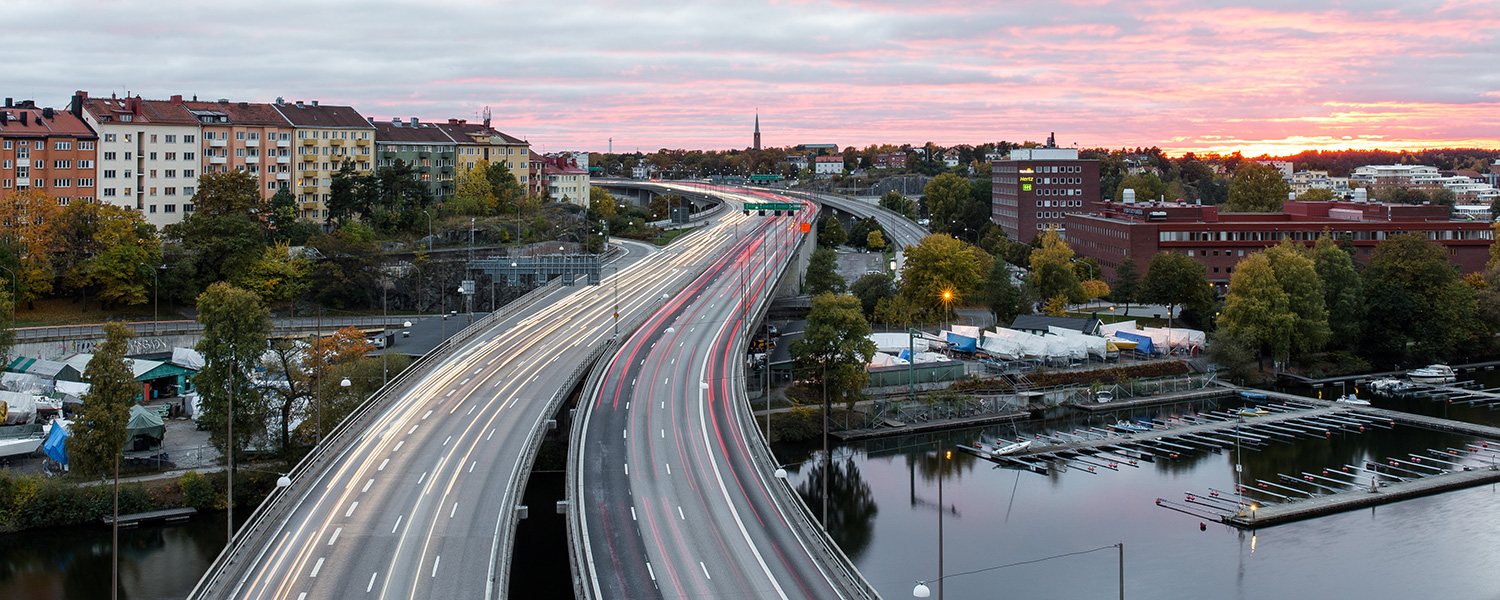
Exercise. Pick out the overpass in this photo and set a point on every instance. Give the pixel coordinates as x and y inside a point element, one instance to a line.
<point>670,486</point>
<point>902,231</point>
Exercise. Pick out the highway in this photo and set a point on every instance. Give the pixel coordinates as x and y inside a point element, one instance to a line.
<point>901,231</point>
<point>668,473</point>
<point>419,501</point>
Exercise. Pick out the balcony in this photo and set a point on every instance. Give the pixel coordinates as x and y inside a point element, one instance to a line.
<point>309,142</point>
<point>283,143</point>
<point>216,143</point>
<point>335,142</point>
<point>309,173</point>
<point>283,160</point>
<point>309,189</point>
<point>362,142</point>
<point>252,143</point>
<point>283,176</point>
<point>309,206</point>
<point>250,160</point>
<point>218,160</point>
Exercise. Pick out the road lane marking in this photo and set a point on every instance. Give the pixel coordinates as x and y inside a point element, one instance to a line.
<point>705,570</point>
<point>455,408</point>
<point>624,434</point>
<point>627,469</point>
<point>664,381</point>
<point>371,585</point>
<point>651,570</point>
<point>367,485</point>
<point>664,404</point>
<point>627,406</point>
<point>393,529</point>
<point>669,468</point>
<point>435,564</point>
<point>317,567</point>
<point>445,442</point>
<point>454,511</point>
<point>492,434</point>
<point>422,478</point>
<point>632,514</point>
<point>398,445</point>
<point>632,382</point>
<point>449,394</point>
<point>663,434</point>
<point>680,515</point>
<point>410,431</point>
<point>476,371</point>
<point>333,538</point>
<point>351,509</point>
<point>471,466</point>
<point>471,410</point>
<point>383,463</point>
<point>464,382</point>
<point>302,596</point>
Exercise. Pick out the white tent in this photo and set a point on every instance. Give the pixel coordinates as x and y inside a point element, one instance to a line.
<point>187,358</point>
<point>1094,345</point>
<point>24,382</point>
<point>896,342</point>
<point>73,390</point>
<point>1177,337</point>
<point>966,331</point>
<point>1111,328</point>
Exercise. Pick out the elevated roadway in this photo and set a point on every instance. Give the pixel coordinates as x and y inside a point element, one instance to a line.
<point>901,231</point>
<point>670,484</point>
<point>416,496</point>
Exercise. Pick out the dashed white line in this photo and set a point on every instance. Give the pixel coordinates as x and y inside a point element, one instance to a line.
<point>383,463</point>
<point>492,434</point>
<point>664,404</point>
<point>632,514</point>
<point>302,596</point>
<point>424,417</point>
<point>333,538</point>
<point>627,468</point>
<point>422,478</point>
<point>663,434</point>
<point>398,523</point>
<point>680,515</point>
<point>398,445</point>
<point>705,570</point>
<point>371,585</point>
<point>464,382</point>
<point>651,571</point>
<point>351,509</point>
<point>664,380</point>
<point>632,382</point>
<point>445,442</point>
<point>471,466</point>
<point>317,567</point>
<point>454,511</point>
<point>669,468</point>
<point>627,406</point>
<point>435,564</point>
<point>367,485</point>
<point>449,394</point>
<point>471,410</point>
<point>476,371</point>
<point>624,434</point>
<point>409,431</point>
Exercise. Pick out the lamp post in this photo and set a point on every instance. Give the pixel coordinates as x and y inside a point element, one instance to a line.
<point>947,299</point>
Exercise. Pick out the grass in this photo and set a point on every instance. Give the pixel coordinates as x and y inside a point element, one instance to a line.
<point>671,234</point>
<point>69,311</point>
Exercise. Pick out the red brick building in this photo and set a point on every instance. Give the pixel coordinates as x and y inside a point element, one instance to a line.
<point>1035,188</point>
<point>1112,231</point>
<point>50,150</point>
<point>890,160</point>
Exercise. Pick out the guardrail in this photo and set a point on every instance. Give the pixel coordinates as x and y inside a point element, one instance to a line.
<point>272,509</point>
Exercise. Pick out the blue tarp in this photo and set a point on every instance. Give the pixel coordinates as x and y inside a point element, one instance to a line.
<point>1142,343</point>
<point>905,355</point>
<point>962,343</point>
<point>56,445</point>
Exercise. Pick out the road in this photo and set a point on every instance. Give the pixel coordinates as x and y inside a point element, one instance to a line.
<point>420,503</point>
<point>901,231</point>
<point>674,503</point>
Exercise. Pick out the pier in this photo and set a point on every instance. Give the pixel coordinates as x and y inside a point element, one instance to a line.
<point>1267,516</point>
<point>170,515</point>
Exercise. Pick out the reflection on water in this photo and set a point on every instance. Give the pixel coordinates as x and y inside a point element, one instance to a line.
<point>73,563</point>
<point>1439,546</point>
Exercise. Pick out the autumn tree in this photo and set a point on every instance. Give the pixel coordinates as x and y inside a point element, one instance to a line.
<point>278,276</point>
<point>899,204</point>
<point>28,228</point>
<point>1316,195</point>
<point>99,431</point>
<point>835,347</point>
<point>941,264</point>
<point>1052,269</point>
<point>601,203</point>
<point>875,241</point>
<point>1257,311</point>
<point>871,289</point>
<point>1256,188</point>
<point>111,252</point>
<point>1298,278</point>
<point>945,197</point>
<point>222,238</point>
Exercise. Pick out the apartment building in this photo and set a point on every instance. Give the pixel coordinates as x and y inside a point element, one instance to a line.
<point>148,154</point>
<point>46,149</point>
<point>565,179</point>
<point>480,141</point>
<point>426,147</point>
<point>244,136</point>
<point>1036,188</point>
<point>325,138</point>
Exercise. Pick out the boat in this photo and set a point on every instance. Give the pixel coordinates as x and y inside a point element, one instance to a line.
<point>17,446</point>
<point>1103,396</point>
<point>1432,374</point>
<point>1249,395</point>
<point>1390,386</point>
<point>1131,427</point>
<point>1251,411</point>
<point>1352,399</point>
<point>1009,449</point>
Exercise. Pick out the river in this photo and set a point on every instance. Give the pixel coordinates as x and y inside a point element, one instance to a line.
<point>884,512</point>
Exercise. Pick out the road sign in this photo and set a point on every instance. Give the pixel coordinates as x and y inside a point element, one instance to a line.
<point>772,206</point>
<point>466,286</point>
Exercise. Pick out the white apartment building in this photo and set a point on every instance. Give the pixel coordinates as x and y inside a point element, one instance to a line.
<point>148,154</point>
<point>828,166</point>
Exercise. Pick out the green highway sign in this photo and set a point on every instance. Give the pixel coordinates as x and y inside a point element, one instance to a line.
<point>772,206</point>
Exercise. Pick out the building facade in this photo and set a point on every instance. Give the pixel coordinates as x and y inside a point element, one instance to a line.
<point>890,160</point>
<point>480,142</point>
<point>325,137</point>
<point>1112,231</point>
<point>1036,188</point>
<point>249,137</point>
<point>49,150</point>
<point>565,179</point>
<point>426,147</point>
<point>148,154</point>
<point>828,166</point>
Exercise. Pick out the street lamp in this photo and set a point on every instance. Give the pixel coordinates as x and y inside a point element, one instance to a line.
<point>947,299</point>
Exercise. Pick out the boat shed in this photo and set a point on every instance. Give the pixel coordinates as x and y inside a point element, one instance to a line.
<point>158,378</point>
<point>45,369</point>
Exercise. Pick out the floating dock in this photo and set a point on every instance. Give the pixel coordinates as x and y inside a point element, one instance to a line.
<point>171,515</point>
<point>1267,516</point>
<point>930,426</point>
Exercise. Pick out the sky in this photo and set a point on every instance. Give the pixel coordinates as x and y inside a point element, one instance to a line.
<point>1274,76</point>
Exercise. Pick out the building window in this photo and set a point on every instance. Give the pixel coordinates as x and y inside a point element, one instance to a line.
<point>188,191</point>
<point>86,182</point>
<point>152,210</point>
<point>108,137</point>
<point>109,192</point>
<point>85,164</point>
<point>170,191</point>
<point>187,172</point>
<point>153,140</point>
<point>62,145</point>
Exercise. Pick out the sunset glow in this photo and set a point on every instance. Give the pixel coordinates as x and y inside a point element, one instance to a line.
<point>1268,77</point>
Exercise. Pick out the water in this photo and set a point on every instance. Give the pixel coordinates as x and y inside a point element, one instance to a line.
<point>73,563</point>
<point>884,512</point>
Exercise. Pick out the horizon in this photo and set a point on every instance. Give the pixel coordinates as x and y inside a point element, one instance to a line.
<point>1272,79</point>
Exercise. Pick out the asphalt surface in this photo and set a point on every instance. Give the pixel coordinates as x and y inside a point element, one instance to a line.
<point>420,504</point>
<point>902,231</point>
<point>674,505</point>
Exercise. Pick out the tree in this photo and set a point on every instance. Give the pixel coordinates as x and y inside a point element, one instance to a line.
<point>822,274</point>
<point>112,251</point>
<point>1418,307</point>
<point>601,203</point>
<point>7,335</point>
<point>348,275</point>
<point>1316,195</point>
<point>835,347</point>
<point>1127,287</point>
<point>945,196</point>
<point>1343,292</point>
<point>871,289</point>
<point>1235,351</point>
<point>231,192</point>
<point>831,233</point>
<point>235,326</point>
<point>294,371</point>
<point>28,227</point>
<point>1257,311</point>
<point>507,190</point>
<point>902,205</point>
<point>1444,196</point>
<point>475,195</point>
<point>875,241</point>
<point>1052,269</point>
<point>898,311</point>
<point>938,264</point>
<point>277,276</point>
<point>1000,293</point>
<point>1095,288</point>
<point>1174,279</point>
<point>659,207</point>
<point>99,433</point>
<point>1147,187</point>
<point>282,212</point>
<point>1256,188</point>
<point>860,230</point>
<point>1297,277</point>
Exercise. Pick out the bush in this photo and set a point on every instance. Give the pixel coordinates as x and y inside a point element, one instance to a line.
<point>197,491</point>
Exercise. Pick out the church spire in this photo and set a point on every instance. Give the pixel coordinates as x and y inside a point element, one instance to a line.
<point>757,129</point>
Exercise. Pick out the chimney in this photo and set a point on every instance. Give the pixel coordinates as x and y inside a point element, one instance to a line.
<point>371,120</point>
<point>4,117</point>
<point>23,117</point>
<point>462,122</point>
<point>299,104</point>
<point>82,94</point>
<point>47,113</point>
<point>396,121</point>
<point>177,99</point>
<point>314,102</point>
<point>244,105</point>
<point>413,121</point>
<point>452,121</point>
<point>9,102</point>
<point>280,101</point>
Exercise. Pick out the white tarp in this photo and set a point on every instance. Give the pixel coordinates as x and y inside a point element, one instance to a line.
<point>73,389</point>
<point>1095,346</point>
<point>1018,344</point>
<point>1001,347</point>
<point>24,382</point>
<point>187,358</point>
<point>966,331</point>
<point>896,342</point>
<point>882,359</point>
<point>930,357</point>
<point>1177,337</point>
<point>1111,328</point>
<point>20,408</point>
